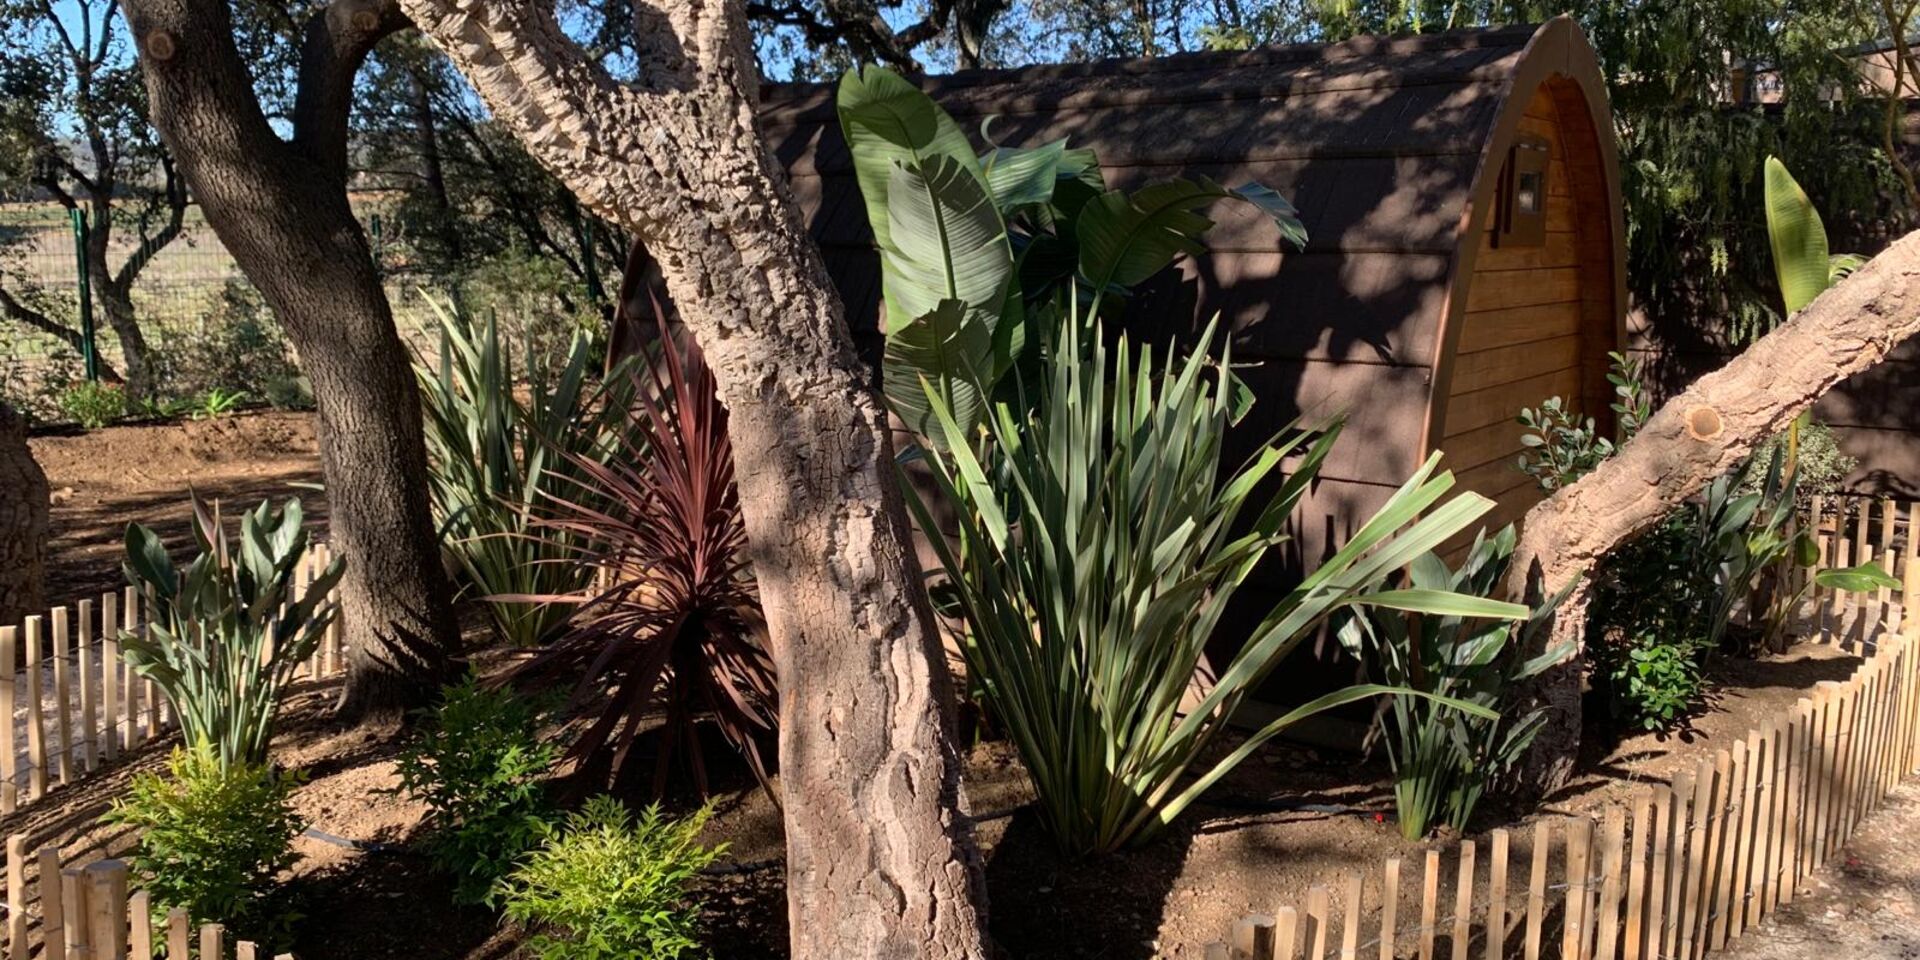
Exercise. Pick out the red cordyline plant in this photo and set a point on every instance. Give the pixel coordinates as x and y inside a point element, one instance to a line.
<point>672,629</point>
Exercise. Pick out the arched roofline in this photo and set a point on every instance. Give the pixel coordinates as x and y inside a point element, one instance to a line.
<point>1557,50</point>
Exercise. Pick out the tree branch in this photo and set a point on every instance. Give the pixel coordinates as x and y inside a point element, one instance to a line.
<point>336,43</point>
<point>1709,428</point>
<point>150,246</point>
<point>27,316</point>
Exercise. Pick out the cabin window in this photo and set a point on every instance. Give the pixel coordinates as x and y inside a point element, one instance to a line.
<point>1523,195</point>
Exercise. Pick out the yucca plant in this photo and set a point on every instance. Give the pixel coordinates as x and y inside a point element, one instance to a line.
<point>228,632</point>
<point>1444,760</point>
<point>497,454</point>
<point>674,627</point>
<point>1097,550</point>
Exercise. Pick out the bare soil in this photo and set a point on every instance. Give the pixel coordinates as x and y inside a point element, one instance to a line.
<point>1291,816</point>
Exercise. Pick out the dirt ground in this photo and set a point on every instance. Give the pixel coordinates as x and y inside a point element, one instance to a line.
<point>102,479</point>
<point>1292,815</point>
<point>1866,906</point>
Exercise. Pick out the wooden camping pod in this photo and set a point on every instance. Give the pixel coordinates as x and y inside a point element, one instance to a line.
<point>1429,305</point>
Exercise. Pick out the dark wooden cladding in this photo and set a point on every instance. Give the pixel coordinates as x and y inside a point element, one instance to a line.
<point>1400,314</point>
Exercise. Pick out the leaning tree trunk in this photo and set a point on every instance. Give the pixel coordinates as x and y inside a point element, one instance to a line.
<point>281,209</point>
<point>880,861</point>
<point>1696,437</point>
<point>116,304</point>
<point>23,522</point>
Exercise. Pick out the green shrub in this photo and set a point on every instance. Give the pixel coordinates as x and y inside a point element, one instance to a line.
<point>93,404</point>
<point>1562,446</point>
<point>496,458</point>
<point>213,838</point>
<point>1657,682</point>
<point>1444,760</point>
<point>237,346</point>
<point>228,632</point>
<point>1820,465</point>
<point>479,766</point>
<point>1099,545</point>
<point>609,887</point>
<point>217,402</point>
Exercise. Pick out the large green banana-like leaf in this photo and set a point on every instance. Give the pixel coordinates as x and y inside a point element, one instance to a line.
<point>944,352</point>
<point>1124,239</point>
<point>948,243</point>
<point>1798,237</point>
<point>1022,176</point>
<point>888,122</point>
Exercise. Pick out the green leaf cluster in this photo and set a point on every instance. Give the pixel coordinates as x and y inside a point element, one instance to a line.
<point>1445,760</point>
<point>480,766</point>
<point>975,249</point>
<point>501,444</point>
<point>214,839</point>
<point>1098,543</point>
<point>228,632</point>
<point>609,886</point>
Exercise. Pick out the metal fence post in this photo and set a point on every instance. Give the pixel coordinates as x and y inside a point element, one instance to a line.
<point>88,354</point>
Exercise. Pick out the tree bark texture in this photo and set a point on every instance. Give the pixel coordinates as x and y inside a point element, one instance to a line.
<point>1697,436</point>
<point>281,208</point>
<point>23,522</point>
<point>880,861</point>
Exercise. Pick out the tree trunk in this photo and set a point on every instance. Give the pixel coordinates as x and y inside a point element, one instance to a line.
<point>281,209</point>
<point>1697,436</point>
<point>880,861</point>
<point>116,304</point>
<point>23,522</point>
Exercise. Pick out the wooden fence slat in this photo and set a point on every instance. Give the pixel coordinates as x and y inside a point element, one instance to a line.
<point>107,895</point>
<point>110,675</point>
<point>78,938</point>
<point>244,950</point>
<point>1613,838</point>
<point>179,933</point>
<point>1731,768</point>
<point>1350,929</point>
<point>1825,769</point>
<point>1696,878</point>
<point>213,941</point>
<point>63,693</point>
<point>1286,933</point>
<point>1747,827</point>
<point>1317,897</point>
<point>1429,905</point>
<point>17,897</point>
<point>1497,896</point>
<point>1537,888</point>
<point>132,619</point>
<point>1667,801</point>
<point>1253,938</point>
<point>140,923</point>
<point>1579,839</point>
<point>9,744</point>
<point>36,715</point>
<point>53,917</point>
<point>89,695</point>
<point>1389,908</point>
<point>1463,903</point>
<point>1637,853</point>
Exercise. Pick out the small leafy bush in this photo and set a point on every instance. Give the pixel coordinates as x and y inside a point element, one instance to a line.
<point>213,838</point>
<point>1658,681</point>
<point>93,404</point>
<point>609,887</point>
<point>217,402</point>
<point>479,765</point>
<point>1444,759</point>
<point>1562,446</point>
<point>228,632</point>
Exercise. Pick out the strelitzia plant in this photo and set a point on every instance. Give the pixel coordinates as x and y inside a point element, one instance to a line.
<point>1096,548</point>
<point>229,631</point>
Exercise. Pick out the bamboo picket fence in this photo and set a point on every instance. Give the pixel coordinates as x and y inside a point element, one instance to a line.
<point>1687,865</point>
<point>87,913</point>
<point>75,705</point>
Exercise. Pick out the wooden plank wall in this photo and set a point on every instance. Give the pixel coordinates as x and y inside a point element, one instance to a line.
<point>1524,337</point>
<point>73,704</point>
<point>1677,873</point>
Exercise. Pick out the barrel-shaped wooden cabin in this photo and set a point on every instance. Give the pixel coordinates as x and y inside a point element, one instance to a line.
<point>1462,198</point>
